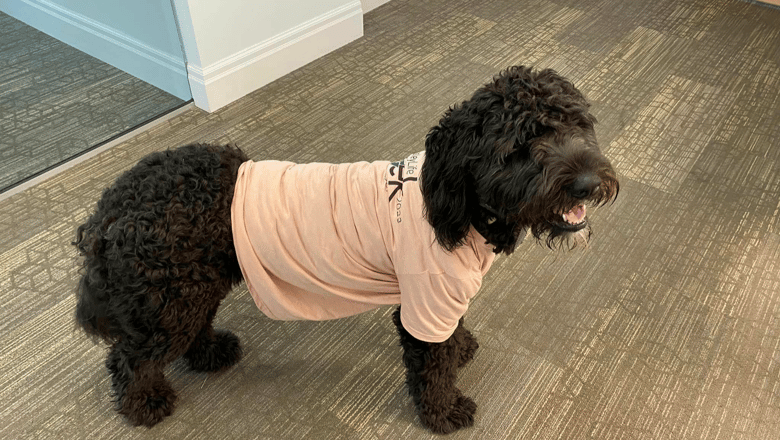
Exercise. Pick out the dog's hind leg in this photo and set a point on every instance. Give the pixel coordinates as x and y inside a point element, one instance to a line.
<point>137,359</point>
<point>142,393</point>
<point>213,350</point>
<point>431,372</point>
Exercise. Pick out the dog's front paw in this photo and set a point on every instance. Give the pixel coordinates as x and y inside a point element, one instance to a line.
<point>460,414</point>
<point>220,352</point>
<point>147,406</point>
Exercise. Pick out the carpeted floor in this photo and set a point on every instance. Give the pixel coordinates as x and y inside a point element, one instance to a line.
<point>57,102</point>
<point>667,327</point>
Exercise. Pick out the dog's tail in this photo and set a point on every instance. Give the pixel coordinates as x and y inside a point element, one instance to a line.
<point>93,292</point>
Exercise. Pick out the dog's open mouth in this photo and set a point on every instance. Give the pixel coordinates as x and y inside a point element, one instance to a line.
<point>575,218</point>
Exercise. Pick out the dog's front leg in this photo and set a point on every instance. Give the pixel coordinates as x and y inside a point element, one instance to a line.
<point>431,371</point>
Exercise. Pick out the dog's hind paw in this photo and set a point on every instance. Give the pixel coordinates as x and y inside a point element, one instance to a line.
<point>149,406</point>
<point>459,415</point>
<point>223,351</point>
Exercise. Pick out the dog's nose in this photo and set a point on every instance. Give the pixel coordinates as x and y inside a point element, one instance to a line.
<point>584,186</point>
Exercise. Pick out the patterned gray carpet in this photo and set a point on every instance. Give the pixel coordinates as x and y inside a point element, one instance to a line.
<point>667,327</point>
<point>57,102</point>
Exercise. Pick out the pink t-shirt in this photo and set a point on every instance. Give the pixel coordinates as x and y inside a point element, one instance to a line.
<point>324,241</point>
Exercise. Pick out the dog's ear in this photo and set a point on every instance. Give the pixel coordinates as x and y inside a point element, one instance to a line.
<point>446,181</point>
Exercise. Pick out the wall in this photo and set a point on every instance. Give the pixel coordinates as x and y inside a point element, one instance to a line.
<point>139,37</point>
<point>236,46</point>
<point>231,47</point>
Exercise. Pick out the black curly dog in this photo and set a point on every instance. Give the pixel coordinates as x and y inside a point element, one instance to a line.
<point>520,155</point>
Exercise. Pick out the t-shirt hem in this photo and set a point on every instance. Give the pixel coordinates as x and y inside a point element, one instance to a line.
<point>425,337</point>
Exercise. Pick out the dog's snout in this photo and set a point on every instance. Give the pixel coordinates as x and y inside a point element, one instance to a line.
<point>584,186</point>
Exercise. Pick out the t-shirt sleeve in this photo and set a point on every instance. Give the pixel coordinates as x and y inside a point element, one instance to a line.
<point>432,304</point>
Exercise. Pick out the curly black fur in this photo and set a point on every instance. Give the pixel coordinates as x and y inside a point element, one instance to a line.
<point>159,256</point>
<point>158,260</point>
<point>507,160</point>
<point>431,371</point>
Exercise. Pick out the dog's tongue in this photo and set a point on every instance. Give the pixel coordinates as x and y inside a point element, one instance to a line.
<point>576,215</point>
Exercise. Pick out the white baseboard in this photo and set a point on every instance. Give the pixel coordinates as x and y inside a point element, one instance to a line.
<point>162,70</point>
<point>237,75</point>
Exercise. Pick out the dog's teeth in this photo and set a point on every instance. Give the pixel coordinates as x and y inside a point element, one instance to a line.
<point>565,218</point>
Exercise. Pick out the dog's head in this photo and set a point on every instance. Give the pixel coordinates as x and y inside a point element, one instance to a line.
<point>521,154</point>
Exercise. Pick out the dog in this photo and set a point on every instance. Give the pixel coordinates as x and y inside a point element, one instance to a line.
<point>174,234</point>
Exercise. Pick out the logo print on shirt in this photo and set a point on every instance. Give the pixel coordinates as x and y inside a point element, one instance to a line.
<point>399,184</point>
